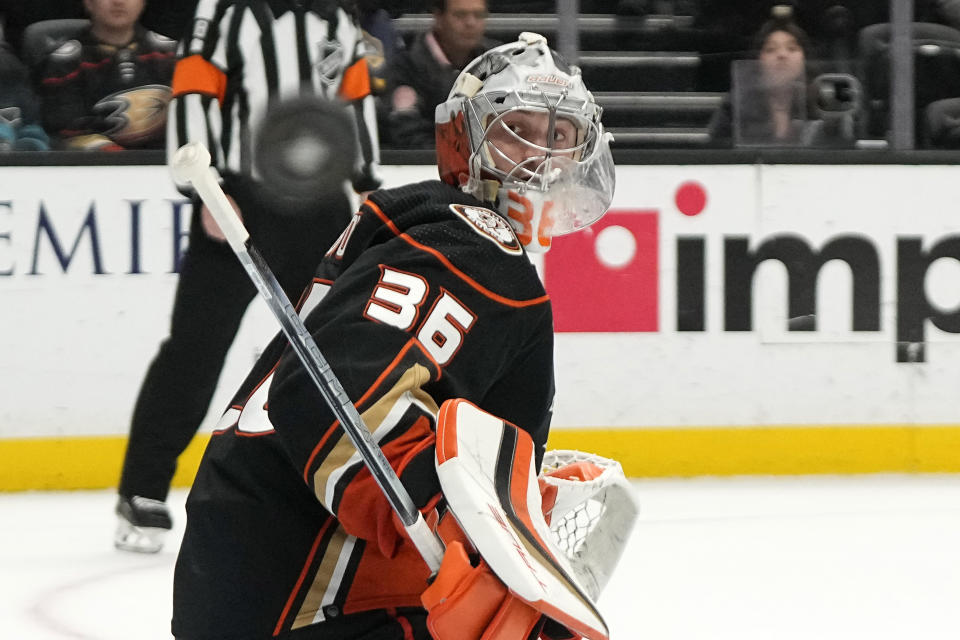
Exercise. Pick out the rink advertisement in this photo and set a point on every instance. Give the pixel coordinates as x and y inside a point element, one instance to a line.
<point>719,319</point>
<point>801,318</point>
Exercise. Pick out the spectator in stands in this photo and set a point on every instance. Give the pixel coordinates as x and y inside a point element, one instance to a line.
<point>20,128</point>
<point>768,94</point>
<point>424,74</point>
<point>108,89</point>
<point>773,103</point>
<point>778,112</point>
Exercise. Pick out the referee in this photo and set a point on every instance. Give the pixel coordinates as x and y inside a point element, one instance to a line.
<point>240,61</point>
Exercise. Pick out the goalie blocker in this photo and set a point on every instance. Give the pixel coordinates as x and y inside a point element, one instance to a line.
<point>504,575</point>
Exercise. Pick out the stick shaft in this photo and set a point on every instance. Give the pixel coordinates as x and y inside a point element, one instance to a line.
<point>427,543</point>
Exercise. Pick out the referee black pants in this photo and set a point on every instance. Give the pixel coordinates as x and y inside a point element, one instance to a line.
<point>213,293</point>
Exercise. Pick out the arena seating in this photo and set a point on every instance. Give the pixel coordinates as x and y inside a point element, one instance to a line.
<point>640,66</point>
<point>936,50</point>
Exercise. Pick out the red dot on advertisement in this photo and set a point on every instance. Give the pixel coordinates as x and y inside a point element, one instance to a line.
<point>691,198</point>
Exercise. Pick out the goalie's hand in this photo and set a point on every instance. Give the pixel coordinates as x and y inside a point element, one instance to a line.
<point>468,602</point>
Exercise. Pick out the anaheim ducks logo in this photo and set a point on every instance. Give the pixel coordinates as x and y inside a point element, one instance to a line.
<point>137,116</point>
<point>489,225</point>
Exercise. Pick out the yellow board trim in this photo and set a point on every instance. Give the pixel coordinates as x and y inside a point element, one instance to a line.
<point>94,462</point>
<point>78,463</point>
<point>778,450</point>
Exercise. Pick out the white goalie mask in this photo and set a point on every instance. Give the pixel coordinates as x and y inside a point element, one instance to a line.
<point>521,131</point>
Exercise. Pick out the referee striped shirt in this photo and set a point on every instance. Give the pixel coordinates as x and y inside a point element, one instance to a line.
<point>243,55</point>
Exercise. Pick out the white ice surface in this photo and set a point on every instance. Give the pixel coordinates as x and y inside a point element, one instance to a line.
<point>871,557</point>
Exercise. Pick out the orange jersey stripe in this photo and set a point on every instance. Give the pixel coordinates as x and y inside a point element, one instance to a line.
<point>356,81</point>
<point>196,74</point>
<point>449,265</point>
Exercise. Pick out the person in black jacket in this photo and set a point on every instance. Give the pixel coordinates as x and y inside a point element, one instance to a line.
<point>109,87</point>
<point>422,75</point>
<point>242,60</point>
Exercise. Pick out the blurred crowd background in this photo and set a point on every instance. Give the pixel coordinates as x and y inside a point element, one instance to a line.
<point>670,74</point>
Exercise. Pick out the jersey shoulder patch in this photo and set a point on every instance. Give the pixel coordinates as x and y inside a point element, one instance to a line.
<point>489,225</point>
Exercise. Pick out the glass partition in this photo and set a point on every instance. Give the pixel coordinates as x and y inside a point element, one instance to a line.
<point>784,108</point>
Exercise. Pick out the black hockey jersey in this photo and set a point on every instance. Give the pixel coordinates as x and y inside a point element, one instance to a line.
<point>95,94</point>
<point>428,296</point>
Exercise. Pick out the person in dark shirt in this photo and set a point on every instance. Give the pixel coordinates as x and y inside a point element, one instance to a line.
<point>423,74</point>
<point>777,114</point>
<point>108,89</point>
<point>769,95</point>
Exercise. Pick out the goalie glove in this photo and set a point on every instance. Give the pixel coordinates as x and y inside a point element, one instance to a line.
<point>486,472</point>
<point>592,509</point>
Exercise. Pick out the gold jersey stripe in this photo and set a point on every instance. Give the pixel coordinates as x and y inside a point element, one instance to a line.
<point>343,453</point>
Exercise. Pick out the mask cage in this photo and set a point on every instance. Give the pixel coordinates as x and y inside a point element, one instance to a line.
<point>487,110</point>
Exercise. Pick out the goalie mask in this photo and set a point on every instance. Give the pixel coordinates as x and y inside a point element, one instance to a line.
<point>520,130</point>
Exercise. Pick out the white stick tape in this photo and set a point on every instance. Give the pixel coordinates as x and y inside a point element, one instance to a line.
<point>191,163</point>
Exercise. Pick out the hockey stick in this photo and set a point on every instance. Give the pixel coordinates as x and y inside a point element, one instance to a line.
<point>191,163</point>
